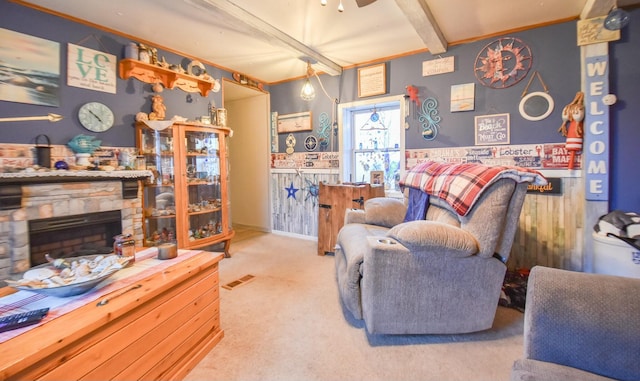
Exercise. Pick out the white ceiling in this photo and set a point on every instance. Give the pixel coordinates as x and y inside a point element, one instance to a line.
<point>194,28</point>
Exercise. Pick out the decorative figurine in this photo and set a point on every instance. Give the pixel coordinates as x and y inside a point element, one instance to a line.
<point>574,114</point>
<point>158,107</point>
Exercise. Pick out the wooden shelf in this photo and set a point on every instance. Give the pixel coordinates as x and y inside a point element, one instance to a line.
<point>170,79</point>
<point>161,217</point>
<point>205,211</point>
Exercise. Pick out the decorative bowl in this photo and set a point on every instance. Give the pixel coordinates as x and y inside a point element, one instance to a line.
<point>71,289</point>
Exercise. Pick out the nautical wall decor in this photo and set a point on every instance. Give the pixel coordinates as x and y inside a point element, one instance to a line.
<point>91,69</point>
<point>429,118</point>
<point>28,77</point>
<point>503,63</point>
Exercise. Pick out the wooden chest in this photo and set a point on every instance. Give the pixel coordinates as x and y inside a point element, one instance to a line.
<point>158,328</point>
<point>333,201</point>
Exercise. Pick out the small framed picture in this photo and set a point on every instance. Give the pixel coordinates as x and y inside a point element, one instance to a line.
<point>221,117</point>
<point>295,122</point>
<point>372,80</point>
<point>377,177</point>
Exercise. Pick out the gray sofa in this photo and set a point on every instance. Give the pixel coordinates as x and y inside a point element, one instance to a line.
<point>580,326</point>
<point>442,274</point>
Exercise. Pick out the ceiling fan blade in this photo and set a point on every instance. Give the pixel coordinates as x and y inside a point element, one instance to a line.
<point>362,3</point>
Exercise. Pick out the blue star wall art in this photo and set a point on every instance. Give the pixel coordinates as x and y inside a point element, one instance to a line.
<point>291,191</point>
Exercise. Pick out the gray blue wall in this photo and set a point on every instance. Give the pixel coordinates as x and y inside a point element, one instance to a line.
<point>132,96</point>
<point>556,57</point>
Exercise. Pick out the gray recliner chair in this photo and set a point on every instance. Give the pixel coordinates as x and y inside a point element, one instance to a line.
<point>580,326</point>
<point>439,275</point>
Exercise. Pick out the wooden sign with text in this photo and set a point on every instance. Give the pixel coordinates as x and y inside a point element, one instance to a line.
<point>554,186</point>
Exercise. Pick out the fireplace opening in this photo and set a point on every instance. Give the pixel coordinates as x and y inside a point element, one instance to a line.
<point>70,236</point>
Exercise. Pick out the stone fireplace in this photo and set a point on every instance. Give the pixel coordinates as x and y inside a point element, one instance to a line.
<point>39,197</point>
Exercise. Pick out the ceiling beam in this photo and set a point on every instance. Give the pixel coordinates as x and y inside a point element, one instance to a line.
<point>419,15</point>
<point>596,8</point>
<point>267,31</point>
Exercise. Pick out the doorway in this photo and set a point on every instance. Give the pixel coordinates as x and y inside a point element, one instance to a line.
<point>249,150</point>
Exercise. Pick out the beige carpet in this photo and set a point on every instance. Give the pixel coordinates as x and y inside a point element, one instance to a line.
<point>287,324</point>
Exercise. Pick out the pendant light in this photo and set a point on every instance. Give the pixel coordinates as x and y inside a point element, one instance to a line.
<point>308,93</point>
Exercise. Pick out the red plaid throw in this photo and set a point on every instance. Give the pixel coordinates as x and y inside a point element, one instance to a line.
<point>460,185</point>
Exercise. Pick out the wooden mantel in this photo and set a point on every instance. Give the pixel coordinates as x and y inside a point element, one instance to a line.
<point>11,183</point>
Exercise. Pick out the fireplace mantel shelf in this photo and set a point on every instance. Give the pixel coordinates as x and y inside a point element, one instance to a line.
<point>70,176</point>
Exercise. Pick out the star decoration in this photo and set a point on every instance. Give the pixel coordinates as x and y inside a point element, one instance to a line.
<point>291,191</point>
<point>312,191</point>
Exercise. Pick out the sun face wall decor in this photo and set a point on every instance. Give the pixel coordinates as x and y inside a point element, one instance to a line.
<point>503,63</point>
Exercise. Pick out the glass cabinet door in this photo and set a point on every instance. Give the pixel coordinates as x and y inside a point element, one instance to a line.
<point>156,150</point>
<point>202,166</point>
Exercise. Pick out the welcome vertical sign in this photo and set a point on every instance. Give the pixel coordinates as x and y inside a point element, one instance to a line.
<point>596,151</point>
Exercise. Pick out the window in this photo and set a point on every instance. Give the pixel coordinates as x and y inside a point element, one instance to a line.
<point>373,140</point>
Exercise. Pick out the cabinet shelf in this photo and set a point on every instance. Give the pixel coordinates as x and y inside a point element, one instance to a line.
<point>196,154</point>
<point>170,79</point>
<point>204,211</point>
<point>163,154</point>
<point>161,217</point>
<point>158,185</point>
<point>196,182</point>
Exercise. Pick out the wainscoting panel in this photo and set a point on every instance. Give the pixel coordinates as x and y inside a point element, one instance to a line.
<point>294,200</point>
<point>551,231</point>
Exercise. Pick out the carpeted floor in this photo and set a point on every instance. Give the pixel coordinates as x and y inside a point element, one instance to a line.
<point>287,324</point>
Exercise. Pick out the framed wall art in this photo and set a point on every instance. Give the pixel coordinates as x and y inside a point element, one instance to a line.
<point>377,177</point>
<point>492,129</point>
<point>294,122</point>
<point>91,69</point>
<point>463,97</point>
<point>31,68</point>
<point>372,80</point>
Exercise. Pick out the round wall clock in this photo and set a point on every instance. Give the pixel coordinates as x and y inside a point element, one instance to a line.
<point>95,116</point>
<point>503,63</point>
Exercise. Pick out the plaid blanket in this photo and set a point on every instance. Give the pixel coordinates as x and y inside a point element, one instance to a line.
<point>460,185</point>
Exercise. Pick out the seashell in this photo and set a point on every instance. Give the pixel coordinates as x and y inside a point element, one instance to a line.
<point>82,270</point>
<point>57,280</point>
<point>66,273</point>
<point>60,263</point>
<point>38,274</point>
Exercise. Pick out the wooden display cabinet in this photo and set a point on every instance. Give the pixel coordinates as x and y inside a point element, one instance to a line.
<point>333,201</point>
<point>187,201</point>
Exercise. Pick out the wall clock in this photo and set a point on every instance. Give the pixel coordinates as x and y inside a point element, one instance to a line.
<point>503,63</point>
<point>95,116</point>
